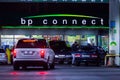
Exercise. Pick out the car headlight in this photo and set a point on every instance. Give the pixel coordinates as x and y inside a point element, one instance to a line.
<point>56,56</point>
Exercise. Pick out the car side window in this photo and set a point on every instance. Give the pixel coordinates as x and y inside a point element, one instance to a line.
<point>2,51</point>
<point>101,50</point>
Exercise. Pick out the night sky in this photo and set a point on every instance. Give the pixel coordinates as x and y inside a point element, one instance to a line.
<point>11,12</point>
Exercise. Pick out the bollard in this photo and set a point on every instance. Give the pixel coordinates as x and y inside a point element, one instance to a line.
<point>8,56</point>
<point>110,60</point>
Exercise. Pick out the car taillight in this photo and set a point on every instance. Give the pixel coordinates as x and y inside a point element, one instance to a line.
<point>77,55</point>
<point>42,53</point>
<point>94,56</point>
<point>14,53</point>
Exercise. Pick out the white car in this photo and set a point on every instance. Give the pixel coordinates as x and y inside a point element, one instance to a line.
<point>3,56</point>
<point>32,52</point>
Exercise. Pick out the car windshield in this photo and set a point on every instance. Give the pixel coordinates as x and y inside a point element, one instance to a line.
<point>57,44</point>
<point>31,44</point>
<point>2,51</point>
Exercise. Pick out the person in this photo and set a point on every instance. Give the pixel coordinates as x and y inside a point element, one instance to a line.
<point>8,55</point>
<point>75,46</point>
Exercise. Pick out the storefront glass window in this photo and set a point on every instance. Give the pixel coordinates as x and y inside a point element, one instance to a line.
<point>53,37</point>
<point>6,36</point>
<point>105,42</point>
<point>37,36</point>
<point>81,39</point>
<point>7,42</point>
<point>72,38</point>
<point>22,36</point>
<point>91,39</point>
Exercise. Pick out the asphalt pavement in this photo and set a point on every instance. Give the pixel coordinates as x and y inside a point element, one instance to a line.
<point>61,72</point>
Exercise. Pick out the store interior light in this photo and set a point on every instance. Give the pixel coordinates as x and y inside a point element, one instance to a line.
<point>54,27</point>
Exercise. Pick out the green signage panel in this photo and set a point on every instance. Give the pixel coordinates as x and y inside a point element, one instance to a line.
<point>58,27</point>
<point>73,1</point>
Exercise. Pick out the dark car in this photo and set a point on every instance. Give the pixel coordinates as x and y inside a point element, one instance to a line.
<point>88,54</point>
<point>102,53</point>
<point>62,51</point>
<point>43,43</point>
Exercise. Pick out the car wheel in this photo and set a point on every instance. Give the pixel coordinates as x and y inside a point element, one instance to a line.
<point>15,67</point>
<point>24,67</point>
<point>47,66</point>
<point>77,63</point>
<point>11,59</point>
<point>97,64</point>
<point>70,62</point>
<point>5,63</point>
<point>86,63</point>
<point>52,66</point>
<point>61,62</point>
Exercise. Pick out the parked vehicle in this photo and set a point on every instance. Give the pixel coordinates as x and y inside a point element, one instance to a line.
<point>62,51</point>
<point>102,53</point>
<point>3,56</point>
<point>32,52</point>
<point>88,54</point>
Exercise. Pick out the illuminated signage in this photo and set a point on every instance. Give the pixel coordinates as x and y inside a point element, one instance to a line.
<point>74,1</point>
<point>54,15</point>
<point>61,20</point>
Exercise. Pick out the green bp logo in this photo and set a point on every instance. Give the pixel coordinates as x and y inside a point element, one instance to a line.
<point>62,19</point>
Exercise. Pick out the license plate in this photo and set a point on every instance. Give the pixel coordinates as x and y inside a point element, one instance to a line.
<point>86,56</point>
<point>28,53</point>
<point>61,56</point>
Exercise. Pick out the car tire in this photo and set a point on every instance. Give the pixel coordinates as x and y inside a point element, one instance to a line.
<point>5,63</point>
<point>15,67</point>
<point>70,62</point>
<point>61,62</point>
<point>47,66</point>
<point>97,64</point>
<point>86,63</point>
<point>11,59</point>
<point>52,66</point>
<point>77,63</point>
<point>24,67</point>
